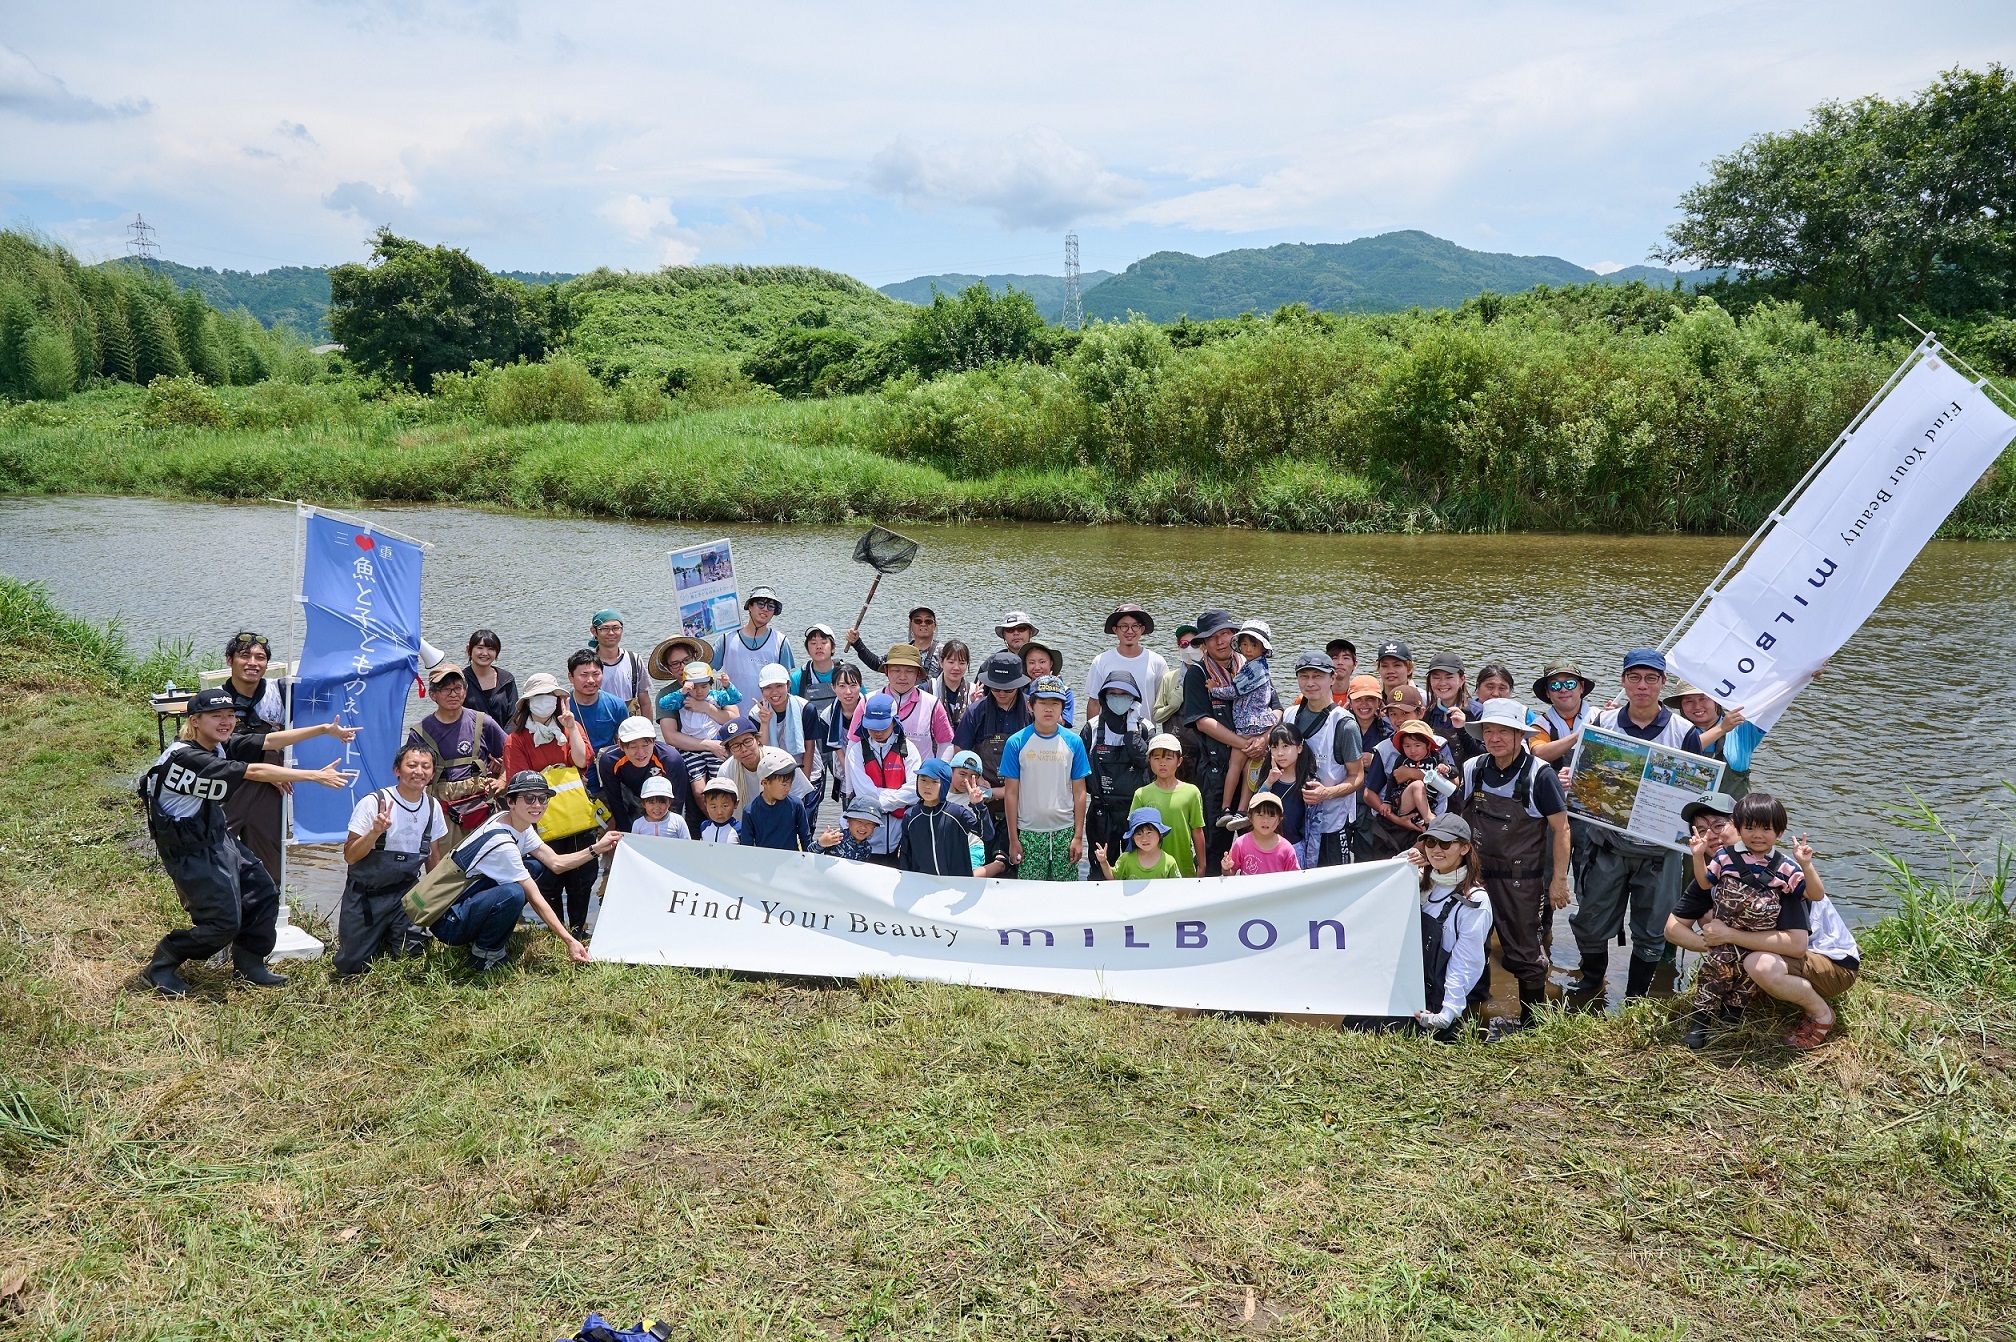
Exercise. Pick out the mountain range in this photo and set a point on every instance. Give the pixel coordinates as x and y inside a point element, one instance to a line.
<point>1046,290</point>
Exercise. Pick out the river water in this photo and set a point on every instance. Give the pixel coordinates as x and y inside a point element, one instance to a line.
<point>1914,701</point>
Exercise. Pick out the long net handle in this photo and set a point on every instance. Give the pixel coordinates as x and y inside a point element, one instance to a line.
<point>868,602</point>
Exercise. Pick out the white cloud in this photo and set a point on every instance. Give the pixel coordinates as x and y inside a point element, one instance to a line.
<point>650,219</point>
<point>367,202</point>
<point>1605,267</point>
<point>1033,180</point>
<point>26,89</point>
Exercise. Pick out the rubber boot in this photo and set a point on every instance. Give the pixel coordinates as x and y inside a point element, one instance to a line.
<point>254,971</point>
<point>1595,970</point>
<point>1696,1037</point>
<point>161,976</point>
<point>1640,981</point>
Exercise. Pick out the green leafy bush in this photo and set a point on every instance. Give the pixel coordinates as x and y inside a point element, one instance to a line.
<point>181,403</point>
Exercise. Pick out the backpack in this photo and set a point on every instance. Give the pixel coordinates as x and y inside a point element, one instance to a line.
<point>439,890</point>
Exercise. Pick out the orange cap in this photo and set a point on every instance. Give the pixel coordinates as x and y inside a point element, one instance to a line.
<point>1362,685</point>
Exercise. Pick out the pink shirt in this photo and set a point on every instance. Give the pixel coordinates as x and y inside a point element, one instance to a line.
<point>922,718</point>
<point>1249,859</point>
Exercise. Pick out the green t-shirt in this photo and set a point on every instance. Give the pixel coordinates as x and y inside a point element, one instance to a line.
<point>1129,867</point>
<point>1182,810</point>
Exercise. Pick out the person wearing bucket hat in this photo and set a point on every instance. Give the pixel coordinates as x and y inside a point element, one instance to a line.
<point>1222,752</point>
<point>923,638</point>
<point>744,653</point>
<point>1127,625</point>
<point>854,837</point>
<point>1047,659</point>
<point>1518,818</point>
<point>623,673</point>
<point>1625,881</point>
<point>1043,772</point>
<point>1456,919</point>
<point>882,764</point>
<point>922,718</point>
<point>1015,629</point>
<point>1143,858</point>
<point>995,715</point>
<point>1564,688</point>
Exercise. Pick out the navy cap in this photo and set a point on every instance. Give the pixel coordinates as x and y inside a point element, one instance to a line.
<point>209,701</point>
<point>1651,657</point>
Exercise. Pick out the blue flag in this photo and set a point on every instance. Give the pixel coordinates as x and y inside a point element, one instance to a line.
<point>360,593</point>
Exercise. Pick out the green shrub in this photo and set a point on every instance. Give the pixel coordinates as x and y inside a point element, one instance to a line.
<point>48,364</point>
<point>558,389</point>
<point>181,403</point>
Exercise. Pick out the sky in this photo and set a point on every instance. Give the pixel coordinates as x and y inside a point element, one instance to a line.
<point>896,140</point>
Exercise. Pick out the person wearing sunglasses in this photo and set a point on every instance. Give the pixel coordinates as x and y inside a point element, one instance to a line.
<point>254,812</point>
<point>1565,689</point>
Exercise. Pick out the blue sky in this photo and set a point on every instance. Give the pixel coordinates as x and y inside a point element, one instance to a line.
<point>908,139</point>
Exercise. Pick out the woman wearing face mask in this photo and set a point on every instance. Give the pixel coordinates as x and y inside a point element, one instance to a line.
<point>1118,747</point>
<point>544,733</point>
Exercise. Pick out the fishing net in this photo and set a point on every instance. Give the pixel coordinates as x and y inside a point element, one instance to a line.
<point>885,551</point>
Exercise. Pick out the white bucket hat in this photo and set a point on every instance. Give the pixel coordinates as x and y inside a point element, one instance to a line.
<point>1259,630</point>
<point>1501,713</point>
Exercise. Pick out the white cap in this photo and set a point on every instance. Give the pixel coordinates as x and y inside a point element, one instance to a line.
<point>774,761</point>
<point>657,785</point>
<point>1165,741</point>
<point>773,674</point>
<point>636,729</point>
<point>723,783</point>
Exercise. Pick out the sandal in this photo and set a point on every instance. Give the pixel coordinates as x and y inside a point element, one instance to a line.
<point>1810,1034</point>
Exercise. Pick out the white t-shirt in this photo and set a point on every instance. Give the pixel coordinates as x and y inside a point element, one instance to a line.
<point>1147,671</point>
<point>504,863</point>
<point>410,821</point>
<point>1828,935</point>
<point>620,678</point>
<point>673,826</point>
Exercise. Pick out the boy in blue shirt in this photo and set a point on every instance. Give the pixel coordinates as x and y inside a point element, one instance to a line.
<point>1044,770</point>
<point>776,819</point>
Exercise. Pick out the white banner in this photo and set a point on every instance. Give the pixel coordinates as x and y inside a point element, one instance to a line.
<point>1335,941</point>
<point>1836,553</point>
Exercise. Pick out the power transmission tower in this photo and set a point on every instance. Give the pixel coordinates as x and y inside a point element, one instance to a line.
<point>1074,306</point>
<point>140,242</point>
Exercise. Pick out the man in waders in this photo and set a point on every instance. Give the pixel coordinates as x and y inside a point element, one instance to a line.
<point>230,898</point>
<point>1518,819</point>
<point>1223,749</point>
<point>255,812</point>
<point>989,721</point>
<point>1118,748</point>
<point>1622,876</point>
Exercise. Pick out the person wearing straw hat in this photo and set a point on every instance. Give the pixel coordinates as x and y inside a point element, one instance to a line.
<point>1518,819</point>
<point>1718,729</point>
<point>922,717</point>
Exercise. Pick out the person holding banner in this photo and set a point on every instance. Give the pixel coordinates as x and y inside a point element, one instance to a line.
<point>230,898</point>
<point>1623,874</point>
<point>1517,815</point>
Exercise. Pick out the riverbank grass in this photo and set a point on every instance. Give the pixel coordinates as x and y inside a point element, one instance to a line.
<point>427,1155</point>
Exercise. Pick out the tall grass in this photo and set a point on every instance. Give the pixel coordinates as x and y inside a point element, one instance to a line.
<point>54,645</point>
<point>1954,932</point>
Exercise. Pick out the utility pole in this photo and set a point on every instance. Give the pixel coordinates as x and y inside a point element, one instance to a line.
<point>1074,305</point>
<point>140,242</point>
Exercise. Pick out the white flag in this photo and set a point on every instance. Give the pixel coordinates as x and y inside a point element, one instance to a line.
<point>1840,548</point>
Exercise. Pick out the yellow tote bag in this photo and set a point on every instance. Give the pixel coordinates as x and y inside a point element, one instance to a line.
<point>571,809</point>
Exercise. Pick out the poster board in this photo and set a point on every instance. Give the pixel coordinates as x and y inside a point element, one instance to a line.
<point>1637,787</point>
<point>703,582</point>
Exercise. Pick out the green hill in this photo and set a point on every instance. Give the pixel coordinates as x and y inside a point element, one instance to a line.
<point>296,297</point>
<point>618,322</point>
<point>1047,290</point>
<point>1388,273</point>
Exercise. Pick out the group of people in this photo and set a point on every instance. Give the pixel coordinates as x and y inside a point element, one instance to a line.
<point>994,764</point>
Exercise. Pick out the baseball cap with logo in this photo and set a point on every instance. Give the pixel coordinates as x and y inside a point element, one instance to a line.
<point>1395,648</point>
<point>1407,696</point>
<point>1048,687</point>
<point>879,713</point>
<point>209,701</point>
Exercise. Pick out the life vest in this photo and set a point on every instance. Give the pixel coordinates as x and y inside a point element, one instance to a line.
<point>889,771</point>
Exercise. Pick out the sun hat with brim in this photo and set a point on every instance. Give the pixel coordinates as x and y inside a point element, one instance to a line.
<point>1556,669</point>
<point>1449,828</point>
<point>1121,681</point>
<point>538,683</point>
<point>528,783</point>
<point>1364,686</point>
<point>724,784</point>
<point>1014,619</point>
<point>764,593</point>
<point>878,713</point>
<point>775,762</point>
<point>1501,713</point>
<point>1337,645</point>
<point>966,759</point>
<point>1056,655</point>
<point>1416,727</point>
<point>1165,741</point>
<point>1260,632</point>
<point>1003,671</point>
<point>1049,687</point>
<point>657,785</point>
<point>903,654</point>
<point>1214,621</point>
<point>635,729</point>
<point>1266,798</point>
<point>863,808</point>
<point>1679,689</point>
<point>1712,803</point>
<point>1127,608</point>
<point>697,650</point>
<point>1145,815</point>
<point>938,769</point>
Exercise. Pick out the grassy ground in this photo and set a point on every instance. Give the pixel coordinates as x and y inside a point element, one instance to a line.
<point>426,1156</point>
